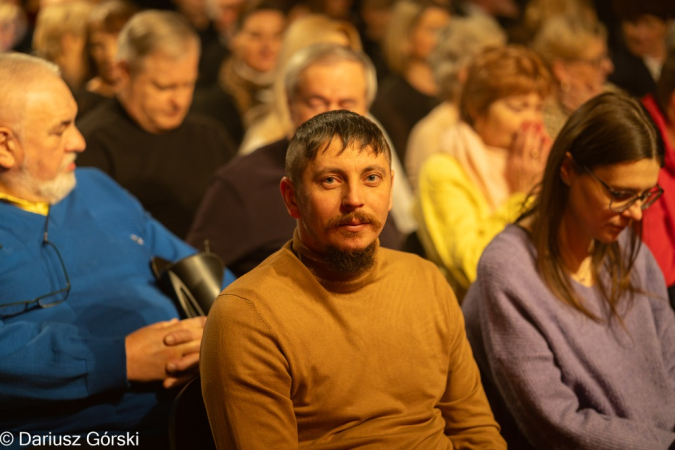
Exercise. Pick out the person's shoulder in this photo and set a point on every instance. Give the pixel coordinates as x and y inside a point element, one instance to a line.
<point>104,116</point>
<point>507,252</point>
<point>280,276</point>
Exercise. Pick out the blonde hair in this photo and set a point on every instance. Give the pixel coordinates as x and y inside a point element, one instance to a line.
<point>55,21</point>
<point>501,72</point>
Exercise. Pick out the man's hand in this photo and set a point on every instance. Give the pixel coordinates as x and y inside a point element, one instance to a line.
<point>166,351</point>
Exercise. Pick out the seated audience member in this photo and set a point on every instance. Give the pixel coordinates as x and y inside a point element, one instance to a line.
<point>333,341</point>
<point>313,29</point>
<point>60,37</point>
<point>639,55</point>
<point>103,28</point>
<point>244,86</point>
<point>490,160</point>
<point>145,139</point>
<point>242,215</point>
<point>659,221</point>
<point>576,54</point>
<point>458,42</point>
<point>410,91</point>
<point>88,340</point>
<point>247,75</point>
<point>569,317</point>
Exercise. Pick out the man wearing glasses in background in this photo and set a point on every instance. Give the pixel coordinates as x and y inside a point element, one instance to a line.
<point>87,340</point>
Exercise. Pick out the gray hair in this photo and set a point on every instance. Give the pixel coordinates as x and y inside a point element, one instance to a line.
<point>566,37</point>
<point>151,31</point>
<point>327,54</point>
<point>17,71</point>
<point>458,42</point>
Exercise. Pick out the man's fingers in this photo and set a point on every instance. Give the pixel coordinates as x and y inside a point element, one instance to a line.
<point>182,336</point>
<point>188,362</point>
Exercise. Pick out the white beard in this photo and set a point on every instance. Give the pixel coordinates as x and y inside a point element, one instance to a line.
<point>51,191</point>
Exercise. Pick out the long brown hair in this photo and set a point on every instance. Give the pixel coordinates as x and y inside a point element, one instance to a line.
<point>608,129</point>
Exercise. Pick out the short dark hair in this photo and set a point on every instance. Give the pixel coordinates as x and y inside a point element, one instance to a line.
<point>318,133</point>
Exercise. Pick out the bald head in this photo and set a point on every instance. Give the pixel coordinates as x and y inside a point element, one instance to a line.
<point>19,76</point>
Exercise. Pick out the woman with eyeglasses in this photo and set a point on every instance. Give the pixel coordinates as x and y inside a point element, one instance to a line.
<point>568,317</point>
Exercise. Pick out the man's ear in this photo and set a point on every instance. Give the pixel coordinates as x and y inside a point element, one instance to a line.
<point>8,148</point>
<point>288,193</point>
<point>568,170</point>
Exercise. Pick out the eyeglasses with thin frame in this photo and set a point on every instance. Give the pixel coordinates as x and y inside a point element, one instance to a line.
<point>622,200</point>
<point>53,298</point>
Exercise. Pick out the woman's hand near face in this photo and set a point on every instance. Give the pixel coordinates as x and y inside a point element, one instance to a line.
<point>527,157</point>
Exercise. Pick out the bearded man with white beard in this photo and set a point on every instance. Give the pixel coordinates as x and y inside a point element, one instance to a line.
<point>88,341</point>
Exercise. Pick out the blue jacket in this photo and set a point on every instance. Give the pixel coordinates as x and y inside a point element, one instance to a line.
<point>63,368</point>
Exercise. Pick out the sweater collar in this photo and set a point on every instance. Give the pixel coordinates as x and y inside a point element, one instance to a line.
<point>327,277</point>
<point>41,208</point>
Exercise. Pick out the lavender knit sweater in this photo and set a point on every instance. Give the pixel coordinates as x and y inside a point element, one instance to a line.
<point>569,382</point>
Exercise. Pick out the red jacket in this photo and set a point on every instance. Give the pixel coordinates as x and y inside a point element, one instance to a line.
<point>659,220</point>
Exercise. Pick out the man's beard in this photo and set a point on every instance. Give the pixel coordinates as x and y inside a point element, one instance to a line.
<point>51,191</point>
<point>351,262</point>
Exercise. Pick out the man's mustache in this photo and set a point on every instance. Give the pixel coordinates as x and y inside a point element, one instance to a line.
<point>353,218</point>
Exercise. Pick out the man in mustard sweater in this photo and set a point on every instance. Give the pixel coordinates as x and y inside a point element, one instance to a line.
<point>333,342</point>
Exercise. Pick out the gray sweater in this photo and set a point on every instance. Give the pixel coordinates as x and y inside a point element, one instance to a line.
<point>569,382</point>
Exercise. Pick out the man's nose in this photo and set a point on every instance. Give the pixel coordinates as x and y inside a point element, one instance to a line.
<point>352,196</point>
<point>76,142</point>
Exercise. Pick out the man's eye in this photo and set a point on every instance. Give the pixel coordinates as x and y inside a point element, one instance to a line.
<point>373,179</point>
<point>329,182</point>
